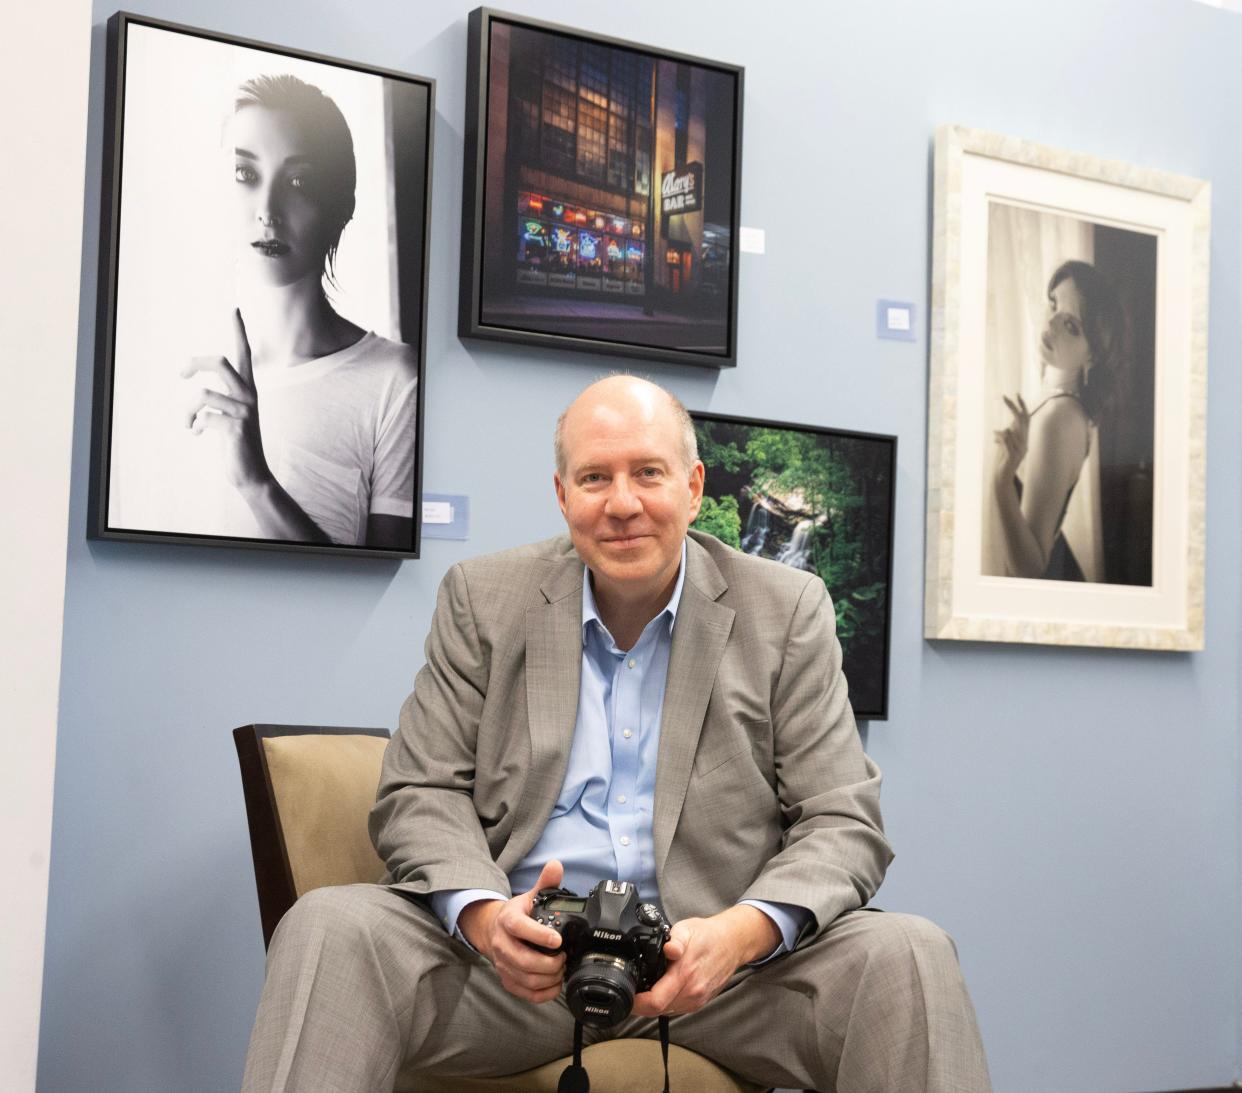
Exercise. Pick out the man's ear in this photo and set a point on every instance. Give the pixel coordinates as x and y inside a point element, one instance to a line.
<point>697,478</point>
<point>560,491</point>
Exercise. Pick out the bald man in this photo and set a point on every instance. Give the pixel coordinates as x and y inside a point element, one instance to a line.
<point>634,701</point>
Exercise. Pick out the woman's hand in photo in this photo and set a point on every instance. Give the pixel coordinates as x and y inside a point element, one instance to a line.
<point>234,414</point>
<point>1012,442</point>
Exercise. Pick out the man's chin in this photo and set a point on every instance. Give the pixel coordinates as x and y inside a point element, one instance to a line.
<point>634,568</point>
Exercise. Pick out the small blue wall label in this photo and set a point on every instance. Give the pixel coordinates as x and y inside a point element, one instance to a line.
<point>446,516</point>
<point>894,319</point>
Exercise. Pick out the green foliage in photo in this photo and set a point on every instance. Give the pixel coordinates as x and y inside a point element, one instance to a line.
<point>721,519</point>
<point>843,485</point>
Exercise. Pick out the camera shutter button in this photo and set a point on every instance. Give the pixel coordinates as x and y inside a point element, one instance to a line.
<point>647,914</point>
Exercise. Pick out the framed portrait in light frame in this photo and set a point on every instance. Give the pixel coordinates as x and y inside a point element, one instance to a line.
<point>1066,407</point>
<point>601,194</point>
<point>262,290</point>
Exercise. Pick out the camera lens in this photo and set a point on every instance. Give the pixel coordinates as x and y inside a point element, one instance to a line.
<point>600,991</point>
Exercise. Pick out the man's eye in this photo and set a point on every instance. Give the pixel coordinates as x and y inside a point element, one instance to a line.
<point>650,472</point>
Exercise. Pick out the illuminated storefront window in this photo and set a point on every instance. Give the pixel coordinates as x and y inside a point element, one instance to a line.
<point>614,264</point>
<point>532,253</point>
<point>634,268</point>
<point>564,246</point>
<point>561,258</point>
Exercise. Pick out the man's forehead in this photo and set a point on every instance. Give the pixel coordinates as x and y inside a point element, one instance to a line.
<point>621,418</point>
<point>619,400</point>
<point>606,426</point>
<point>592,458</point>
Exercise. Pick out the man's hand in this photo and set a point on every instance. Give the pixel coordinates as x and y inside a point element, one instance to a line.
<point>504,933</point>
<point>702,954</point>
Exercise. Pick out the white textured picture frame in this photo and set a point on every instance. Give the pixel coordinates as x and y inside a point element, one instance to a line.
<point>972,169</point>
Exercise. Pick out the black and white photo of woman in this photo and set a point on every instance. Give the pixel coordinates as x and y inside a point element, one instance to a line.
<point>282,402</point>
<point>1067,491</point>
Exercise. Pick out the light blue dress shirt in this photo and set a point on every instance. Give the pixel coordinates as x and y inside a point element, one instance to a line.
<point>601,825</point>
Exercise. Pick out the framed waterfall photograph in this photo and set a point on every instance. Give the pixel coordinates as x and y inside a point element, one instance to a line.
<point>1066,410</point>
<point>601,194</point>
<point>262,286</point>
<point>820,500</point>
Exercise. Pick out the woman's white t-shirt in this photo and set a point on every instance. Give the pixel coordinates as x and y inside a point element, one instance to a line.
<point>339,434</point>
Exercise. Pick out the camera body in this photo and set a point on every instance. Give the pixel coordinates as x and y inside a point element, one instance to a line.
<point>613,945</point>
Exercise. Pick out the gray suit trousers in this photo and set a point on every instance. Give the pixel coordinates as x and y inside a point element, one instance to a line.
<point>365,991</point>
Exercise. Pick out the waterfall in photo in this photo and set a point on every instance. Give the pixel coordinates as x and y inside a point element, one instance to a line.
<point>797,552</point>
<point>756,530</point>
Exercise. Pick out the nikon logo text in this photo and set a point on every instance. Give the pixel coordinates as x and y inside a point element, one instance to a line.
<point>607,935</point>
<point>602,1010</point>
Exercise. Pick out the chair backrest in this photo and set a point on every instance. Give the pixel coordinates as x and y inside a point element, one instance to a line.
<point>308,790</point>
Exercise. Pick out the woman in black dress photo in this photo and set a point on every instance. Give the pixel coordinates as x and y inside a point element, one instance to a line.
<point>1040,455</point>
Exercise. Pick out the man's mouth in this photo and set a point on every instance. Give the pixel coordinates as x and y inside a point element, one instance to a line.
<point>270,248</point>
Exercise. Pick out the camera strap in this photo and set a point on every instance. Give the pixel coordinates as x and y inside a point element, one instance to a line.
<point>664,1047</point>
<point>574,1078</point>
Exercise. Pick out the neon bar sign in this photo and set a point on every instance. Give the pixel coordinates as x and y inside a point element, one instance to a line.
<point>681,190</point>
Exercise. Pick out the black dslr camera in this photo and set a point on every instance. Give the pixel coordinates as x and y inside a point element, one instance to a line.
<point>613,945</point>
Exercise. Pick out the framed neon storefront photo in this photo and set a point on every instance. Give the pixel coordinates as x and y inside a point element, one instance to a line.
<point>601,194</point>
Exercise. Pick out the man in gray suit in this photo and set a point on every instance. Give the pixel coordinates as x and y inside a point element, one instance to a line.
<point>635,701</point>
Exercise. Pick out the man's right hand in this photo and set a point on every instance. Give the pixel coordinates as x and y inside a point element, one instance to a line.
<point>504,933</point>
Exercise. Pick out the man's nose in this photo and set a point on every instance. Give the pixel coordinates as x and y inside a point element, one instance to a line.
<point>622,500</point>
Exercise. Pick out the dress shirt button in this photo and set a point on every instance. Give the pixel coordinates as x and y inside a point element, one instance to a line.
<point>620,798</point>
<point>631,663</point>
<point>625,840</point>
<point>627,734</point>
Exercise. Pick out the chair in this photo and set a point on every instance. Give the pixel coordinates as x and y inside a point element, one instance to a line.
<point>308,790</point>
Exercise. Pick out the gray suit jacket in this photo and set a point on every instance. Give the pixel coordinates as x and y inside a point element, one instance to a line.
<point>762,788</point>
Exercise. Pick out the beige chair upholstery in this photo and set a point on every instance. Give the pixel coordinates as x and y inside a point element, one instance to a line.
<point>617,1066</point>
<point>308,791</point>
<point>324,786</point>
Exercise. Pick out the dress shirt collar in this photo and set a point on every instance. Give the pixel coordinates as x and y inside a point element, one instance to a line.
<point>591,614</point>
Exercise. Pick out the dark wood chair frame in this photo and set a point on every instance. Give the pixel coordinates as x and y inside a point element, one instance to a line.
<point>272,875</point>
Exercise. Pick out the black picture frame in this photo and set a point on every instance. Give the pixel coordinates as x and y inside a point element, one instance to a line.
<point>138,488</point>
<point>758,477</point>
<point>651,285</point>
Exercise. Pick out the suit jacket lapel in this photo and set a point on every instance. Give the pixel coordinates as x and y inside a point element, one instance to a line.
<point>699,637</point>
<point>553,666</point>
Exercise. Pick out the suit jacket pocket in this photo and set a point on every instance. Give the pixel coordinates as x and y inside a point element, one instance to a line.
<point>751,739</point>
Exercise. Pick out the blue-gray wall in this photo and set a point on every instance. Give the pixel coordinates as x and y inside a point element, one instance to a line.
<point>1070,816</point>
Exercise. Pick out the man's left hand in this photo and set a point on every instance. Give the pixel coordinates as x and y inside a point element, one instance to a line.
<point>702,954</point>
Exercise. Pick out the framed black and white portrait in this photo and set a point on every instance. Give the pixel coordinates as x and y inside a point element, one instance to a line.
<point>259,375</point>
<point>601,194</point>
<point>1066,447</point>
<point>815,499</point>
